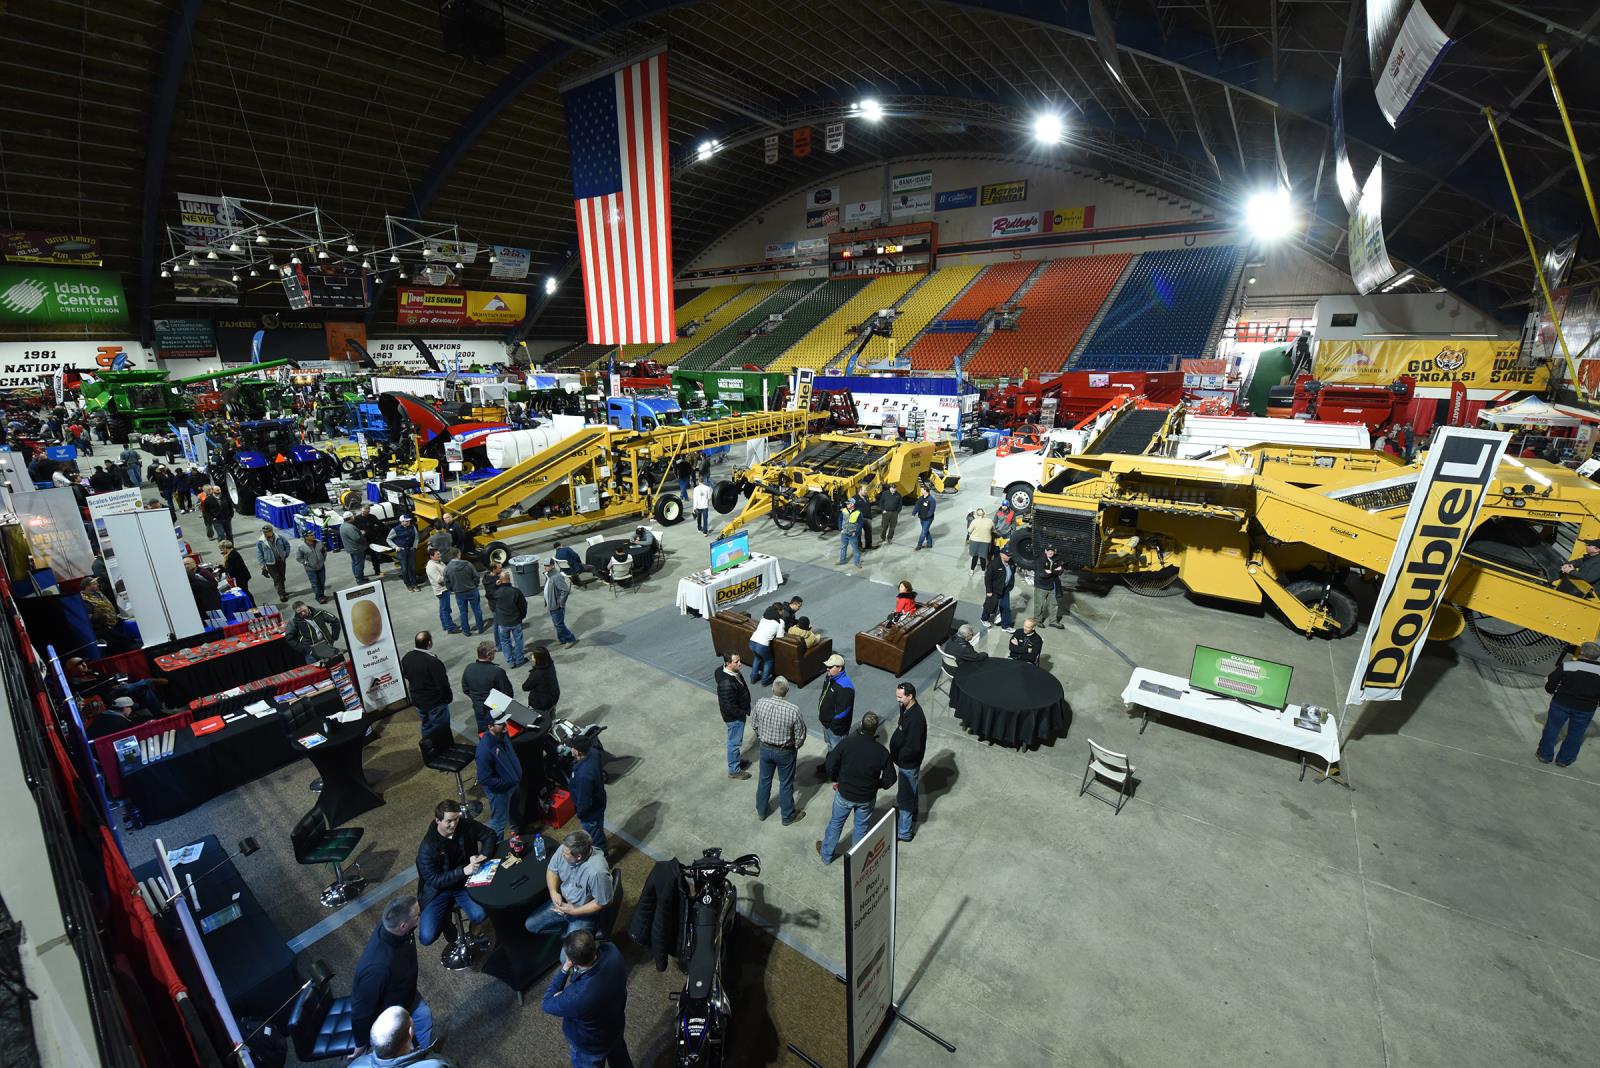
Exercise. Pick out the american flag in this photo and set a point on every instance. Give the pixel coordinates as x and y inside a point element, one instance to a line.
<point>617,136</point>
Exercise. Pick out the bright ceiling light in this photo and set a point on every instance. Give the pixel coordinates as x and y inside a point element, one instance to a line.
<point>261,239</point>
<point>322,254</point>
<point>211,253</point>
<point>367,264</point>
<point>870,109</point>
<point>491,257</point>
<point>394,258</point>
<point>1269,215</point>
<point>165,273</point>
<point>193,262</point>
<point>458,265</point>
<point>254,273</point>
<point>402,275</point>
<point>351,247</point>
<point>708,149</point>
<point>295,259</point>
<point>235,247</point>
<point>1047,128</point>
<point>549,285</point>
<point>235,277</point>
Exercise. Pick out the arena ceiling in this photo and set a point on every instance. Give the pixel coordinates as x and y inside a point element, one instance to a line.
<point>356,107</point>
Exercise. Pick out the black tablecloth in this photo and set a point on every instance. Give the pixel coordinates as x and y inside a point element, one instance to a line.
<point>1009,702</point>
<point>518,957</point>
<point>201,768</point>
<point>227,671</point>
<point>345,793</point>
<point>251,955</point>
<point>598,555</point>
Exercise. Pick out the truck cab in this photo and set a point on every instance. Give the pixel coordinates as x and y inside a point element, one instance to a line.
<point>641,413</point>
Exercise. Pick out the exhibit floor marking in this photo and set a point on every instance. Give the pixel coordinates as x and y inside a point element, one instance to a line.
<point>372,896</point>
<point>1107,642</point>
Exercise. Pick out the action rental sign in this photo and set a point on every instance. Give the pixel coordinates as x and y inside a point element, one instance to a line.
<point>1455,480</point>
<point>60,295</point>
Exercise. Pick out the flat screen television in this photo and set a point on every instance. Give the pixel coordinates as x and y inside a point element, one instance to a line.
<point>1243,678</point>
<point>730,552</point>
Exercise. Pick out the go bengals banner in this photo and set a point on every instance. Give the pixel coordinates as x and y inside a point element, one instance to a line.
<point>458,307</point>
<point>1485,368</point>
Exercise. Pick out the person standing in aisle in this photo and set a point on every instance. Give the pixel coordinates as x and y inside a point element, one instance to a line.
<point>859,767</point>
<point>131,461</point>
<point>429,684</point>
<point>1575,685</point>
<point>850,530</point>
<point>542,686</point>
<point>183,489</point>
<point>733,701</point>
<point>224,512</point>
<point>463,580</point>
<point>979,536</point>
<point>354,543</point>
<point>314,558</point>
<point>440,585</point>
<point>234,567</point>
<point>167,486</point>
<point>371,537</point>
<point>781,731</point>
<point>685,472</point>
<point>499,768</point>
<point>588,780</point>
<point>700,499</point>
<point>923,510</point>
<point>1047,588</point>
<point>480,677</point>
<point>510,608</point>
<point>889,503</point>
<point>272,553</point>
<point>403,538</point>
<point>386,975</point>
<point>836,706</point>
<point>907,746</point>
<point>998,581</point>
<point>589,994</point>
<point>556,591</point>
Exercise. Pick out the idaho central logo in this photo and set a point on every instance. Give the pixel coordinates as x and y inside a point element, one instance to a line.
<point>1450,359</point>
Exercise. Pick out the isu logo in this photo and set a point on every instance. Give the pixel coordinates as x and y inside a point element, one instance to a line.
<point>1450,359</point>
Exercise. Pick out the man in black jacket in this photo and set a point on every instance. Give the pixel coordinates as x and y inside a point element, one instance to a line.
<point>1026,644</point>
<point>907,745</point>
<point>889,503</point>
<point>510,607</point>
<point>481,676</point>
<point>429,684</point>
<point>960,646</point>
<point>386,975</point>
<point>733,701</point>
<point>454,847</point>
<point>311,632</point>
<point>859,767</point>
<point>206,596</point>
<point>1576,686</point>
<point>1047,589</point>
<point>998,579</point>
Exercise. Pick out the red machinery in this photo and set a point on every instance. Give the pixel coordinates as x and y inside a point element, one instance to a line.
<point>1067,398</point>
<point>645,374</point>
<point>1379,407</point>
<point>840,404</point>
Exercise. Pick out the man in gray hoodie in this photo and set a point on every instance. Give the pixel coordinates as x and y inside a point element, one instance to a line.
<point>354,543</point>
<point>556,591</point>
<point>310,554</point>
<point>392,1045</point>
<point>462,578</point>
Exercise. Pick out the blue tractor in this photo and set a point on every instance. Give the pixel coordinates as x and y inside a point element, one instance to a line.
<point>267,456</point>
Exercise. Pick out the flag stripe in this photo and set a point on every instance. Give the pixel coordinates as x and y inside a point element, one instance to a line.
<point>637,109</point>
<point>663,207</point>
<point>627,153</point>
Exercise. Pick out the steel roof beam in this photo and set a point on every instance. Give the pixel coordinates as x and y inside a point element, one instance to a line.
<point>163,102</point>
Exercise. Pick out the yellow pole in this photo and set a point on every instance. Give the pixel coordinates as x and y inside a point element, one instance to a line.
<point>1572,138</point>
<point>1533,254</point>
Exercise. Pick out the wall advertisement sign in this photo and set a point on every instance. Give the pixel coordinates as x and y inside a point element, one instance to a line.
<point>510,263</point>
<point>31,294</point>
<point>952,199</point>
<point>62,250</point>
<point>780,250</point>
<point>31,359</point>
<point>910,183</point>
<point>1063,219</point>
<point>904,205</point>
<point>1004,193</point>
<point>863,211</point>
<point>1023,222</point>
<point>458,307</point>
<point>185,339</point>
<point>1484,367</point>
<point>822,218</point>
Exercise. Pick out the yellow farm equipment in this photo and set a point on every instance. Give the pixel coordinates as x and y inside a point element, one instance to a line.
<point>807,482</point>
<point>1293,525</point>
<point>599,474</point>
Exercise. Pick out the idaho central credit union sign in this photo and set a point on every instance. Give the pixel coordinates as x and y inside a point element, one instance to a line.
<point>60,295</point>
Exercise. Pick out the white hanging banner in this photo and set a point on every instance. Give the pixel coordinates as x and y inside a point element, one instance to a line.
<point>770,148</point>
<point>1416,52</point>
<point>1344,174</point>
<point>1369,255</point>
<point>833,137</point>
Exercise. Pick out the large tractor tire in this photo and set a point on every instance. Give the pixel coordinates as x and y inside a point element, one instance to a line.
<point>1340,605</point>
<point>120,427</point>
<point>669,508</point>
<point>820,513</point>
<point>242,488</point>
<point>725,497</point>
<point>497,552</point>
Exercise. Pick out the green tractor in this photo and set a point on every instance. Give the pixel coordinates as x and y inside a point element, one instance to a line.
<point>142,401</point>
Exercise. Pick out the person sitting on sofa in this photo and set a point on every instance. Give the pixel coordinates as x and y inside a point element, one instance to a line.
<point>906,599</point>
<point>802,630</point>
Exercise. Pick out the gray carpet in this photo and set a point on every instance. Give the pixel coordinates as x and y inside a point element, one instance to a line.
<point>839,603</point>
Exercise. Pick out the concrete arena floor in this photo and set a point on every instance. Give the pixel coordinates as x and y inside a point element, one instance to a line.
<point>1440,913</point>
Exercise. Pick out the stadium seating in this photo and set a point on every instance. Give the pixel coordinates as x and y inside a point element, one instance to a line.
<point>722,318</point>
<point>831,335</point>
<point>1168,304</point>
<point>920,308</point>
<point>798,321</point>
<point>691,304</point>
<point>710,352</point>
<point>1055,311</point>
<point>575,357</point>
<point>937,351</point>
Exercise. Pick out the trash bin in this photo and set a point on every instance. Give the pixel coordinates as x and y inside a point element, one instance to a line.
<point>525,575</point>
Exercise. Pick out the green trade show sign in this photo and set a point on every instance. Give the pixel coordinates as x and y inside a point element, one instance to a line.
<point>60,295</point>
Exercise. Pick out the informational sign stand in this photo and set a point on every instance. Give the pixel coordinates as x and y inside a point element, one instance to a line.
<point>150,568</point>
<point>369,635</point>
<point>869,920</point>
<point>100,506</point>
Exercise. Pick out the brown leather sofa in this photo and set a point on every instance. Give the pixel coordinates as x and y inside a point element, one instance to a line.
<point>730,633</point>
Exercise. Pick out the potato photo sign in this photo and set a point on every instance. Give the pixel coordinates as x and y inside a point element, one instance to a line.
<point>365,613</point>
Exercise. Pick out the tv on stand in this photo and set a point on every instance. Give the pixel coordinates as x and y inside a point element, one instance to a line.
<point>730,552</point>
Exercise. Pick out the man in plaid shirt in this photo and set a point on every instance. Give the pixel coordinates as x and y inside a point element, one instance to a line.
<point>781,732</point>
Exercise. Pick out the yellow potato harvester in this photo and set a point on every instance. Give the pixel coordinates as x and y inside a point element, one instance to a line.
<point>1295,525</point>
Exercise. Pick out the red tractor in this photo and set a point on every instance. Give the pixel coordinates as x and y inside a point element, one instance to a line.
<point>1067,398</point>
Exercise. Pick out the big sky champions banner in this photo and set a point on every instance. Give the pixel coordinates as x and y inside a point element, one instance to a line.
<point>370,638</point>
<point>1486,368</point>
<point>1450,492</point>
<point>60,295</point>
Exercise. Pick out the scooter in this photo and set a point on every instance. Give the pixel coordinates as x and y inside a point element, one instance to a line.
<point>710,901</point>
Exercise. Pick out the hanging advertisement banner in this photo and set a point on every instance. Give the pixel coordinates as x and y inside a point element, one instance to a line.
<point>769,148</point>
<point>451,251</point>
<point>863,211</point>
<point>30,359</point>
<point>205,285</point>
<point>369,636</point>
<point>1483,367</point>
<point>1004,193</point>
<point>833,137</point>
<point>1417,50</point>
<point>185,339</point>
<point>395,354</point>
<point>62,250</point>
<point>801,140</point>
<point>869,909</point>
<point>822,218</point>
<point>205,219</point>
<point>1344,175</point>
<point>780,250</point>
<point>1369,256</point>
<point>825,197</point>
<point>951,199</point>
<point>458,307</point>
<point>32,294</point>
<point>811,246</point>
<point>1455,479</point>
<point>1027,222</point>
<point>495,309</point>
<point>910,183</point>
<point>1064,219</point>
<point>1458,404</point>
<point>510,263</point>
<point>434,274</point>
<point>905,205</point>
<point>1383,26</point>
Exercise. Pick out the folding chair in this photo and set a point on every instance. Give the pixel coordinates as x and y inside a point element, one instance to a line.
<point>947,669</point>
<point>621,574</point>
<point>1113,768</point>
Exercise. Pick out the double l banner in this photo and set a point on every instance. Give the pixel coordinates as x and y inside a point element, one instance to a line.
<point>1456,476</point>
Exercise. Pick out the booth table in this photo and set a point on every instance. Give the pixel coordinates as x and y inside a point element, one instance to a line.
<point>518,957</point>
<point>1009,702</point>
<point>705,594</point>
<point>223,664</point>
<point>279,509</point>
<point>251,956</point>
<point>598,556</point>
<point>1158,692</point>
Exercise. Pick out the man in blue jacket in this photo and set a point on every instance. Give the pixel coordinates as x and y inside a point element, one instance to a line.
<point>924,509</point>
<point>455,847</point>
<point>499,771</point>
<point>590,996</point>
<point>386,975</point>
<point>588,781</point>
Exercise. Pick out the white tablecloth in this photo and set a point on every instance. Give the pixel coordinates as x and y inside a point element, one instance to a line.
<point>1250,720</point>
<point>760,575</point>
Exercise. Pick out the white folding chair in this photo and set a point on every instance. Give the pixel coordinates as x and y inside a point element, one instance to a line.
<point>594,539</point>
<point>947,669</point>
<point>621,574</point>
<point>1113,768</point>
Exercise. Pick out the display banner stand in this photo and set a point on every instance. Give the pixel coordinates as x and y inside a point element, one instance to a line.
<point>869,911</point>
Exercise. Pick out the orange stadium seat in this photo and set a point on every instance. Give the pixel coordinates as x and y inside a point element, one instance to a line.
<point>1055,311</point>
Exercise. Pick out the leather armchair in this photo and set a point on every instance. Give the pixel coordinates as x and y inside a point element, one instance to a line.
<point>730,633</point>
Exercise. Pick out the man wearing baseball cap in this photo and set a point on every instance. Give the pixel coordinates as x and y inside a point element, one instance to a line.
<point>499,770</point>
<point>589,790</point>
<point>119,717</point>
<point>355,543</point>
<point>403,538</point>
<point>836,708</point>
